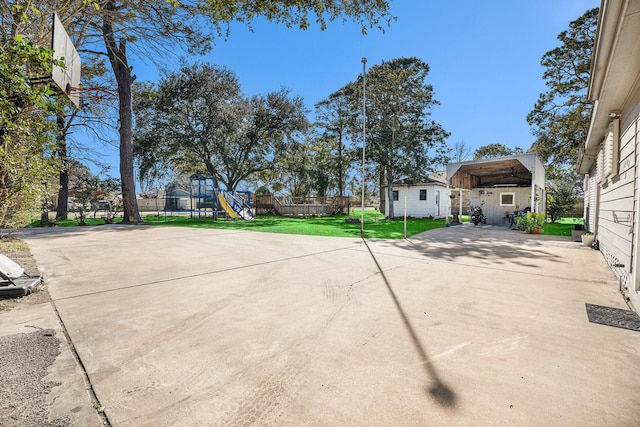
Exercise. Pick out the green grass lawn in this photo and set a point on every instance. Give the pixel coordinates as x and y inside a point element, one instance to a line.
<point>375,226</point>
<point>561,227</point>
<point>73,222</point>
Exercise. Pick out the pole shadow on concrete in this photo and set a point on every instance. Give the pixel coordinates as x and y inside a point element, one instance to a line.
<point>438,390</point>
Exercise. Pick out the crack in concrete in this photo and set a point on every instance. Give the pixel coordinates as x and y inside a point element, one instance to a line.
<point>206,273</point>
<point>85,375</point>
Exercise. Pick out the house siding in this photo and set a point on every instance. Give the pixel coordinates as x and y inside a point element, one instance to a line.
<point>612,142</point>
<point>634,288</point>
<point>617,207</point>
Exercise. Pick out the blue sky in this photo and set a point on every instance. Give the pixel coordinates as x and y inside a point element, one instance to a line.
<point>484,58</point>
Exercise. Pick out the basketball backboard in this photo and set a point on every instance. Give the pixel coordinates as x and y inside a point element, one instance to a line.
<point>66,79</point>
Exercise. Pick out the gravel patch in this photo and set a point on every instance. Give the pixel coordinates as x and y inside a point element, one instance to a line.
<point>24,361</point>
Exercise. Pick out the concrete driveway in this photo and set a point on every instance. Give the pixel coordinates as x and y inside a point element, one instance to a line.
<point>458,326</point>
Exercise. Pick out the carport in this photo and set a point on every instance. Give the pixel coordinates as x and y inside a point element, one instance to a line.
<point>501,185</point>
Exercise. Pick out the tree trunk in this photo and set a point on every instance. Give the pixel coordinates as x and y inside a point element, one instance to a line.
<point>118,59</point>
<point>390,191</point>
<point>130,205</point>
<point>340,171</point>
<point>381,184</point>
<point>62,210</point>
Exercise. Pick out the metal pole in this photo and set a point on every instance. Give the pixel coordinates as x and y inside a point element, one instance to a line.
<point>364,133</point>
<point>446,221</point>
<point>405,217</point>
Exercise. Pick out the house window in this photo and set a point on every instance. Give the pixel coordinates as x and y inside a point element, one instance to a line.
<point>507,199</point>
<point>395,195</point>
<point>423,194</point>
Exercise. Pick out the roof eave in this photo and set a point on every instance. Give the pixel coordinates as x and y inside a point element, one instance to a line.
<point>614,68</point>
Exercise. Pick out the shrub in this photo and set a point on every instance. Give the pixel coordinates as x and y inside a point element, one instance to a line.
<point>530,221</point>
<point>561,199</point>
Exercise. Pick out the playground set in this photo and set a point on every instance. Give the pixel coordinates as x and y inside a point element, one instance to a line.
<point>209,198</point>
<point>205,199</point>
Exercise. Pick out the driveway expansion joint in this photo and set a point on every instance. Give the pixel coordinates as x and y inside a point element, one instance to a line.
<point>85,375</point>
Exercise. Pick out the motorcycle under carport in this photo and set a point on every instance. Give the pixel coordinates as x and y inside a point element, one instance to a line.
<point>477,217</point>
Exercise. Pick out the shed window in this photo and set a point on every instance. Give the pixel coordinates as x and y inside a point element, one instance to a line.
<point>395,195</point>
<point>507,199</point>
<point>423,194</point>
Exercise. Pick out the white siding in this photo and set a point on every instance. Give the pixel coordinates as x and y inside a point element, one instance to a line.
<point>634,291</point>
<point>614,88</point>
<point>421,208</point>
<point>615,214</point>
<point>489,199</point>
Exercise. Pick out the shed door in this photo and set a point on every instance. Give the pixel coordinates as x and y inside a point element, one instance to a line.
<point>437,203</point>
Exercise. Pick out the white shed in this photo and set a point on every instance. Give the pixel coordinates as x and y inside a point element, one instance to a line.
<point>425,198</point>
<point>609,157</point>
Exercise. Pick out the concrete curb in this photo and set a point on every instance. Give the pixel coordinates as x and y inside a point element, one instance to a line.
<point>70,398</point>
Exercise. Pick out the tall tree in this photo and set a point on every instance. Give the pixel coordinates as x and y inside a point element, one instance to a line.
<point>336,118</point>
<point>560,118</point>
<point>401,138</point>
<point>171,24</point>
<point>461,152</point>
<point>94,117</point>
<point>200,120</point>
<point>561,199</point>
<point>308,168</point>
<point>326,170</point>
<point>491,151</point>
<point>294,175</point>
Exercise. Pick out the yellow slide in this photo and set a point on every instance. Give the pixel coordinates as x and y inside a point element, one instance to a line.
<point>227,208</point>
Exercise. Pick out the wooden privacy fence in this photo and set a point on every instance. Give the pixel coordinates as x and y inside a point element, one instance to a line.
<point>267,204</point>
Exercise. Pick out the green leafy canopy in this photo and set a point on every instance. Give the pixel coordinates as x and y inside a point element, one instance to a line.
<point>560,118</point>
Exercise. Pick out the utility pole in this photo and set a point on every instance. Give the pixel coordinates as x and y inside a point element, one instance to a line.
<point>364,133</point>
